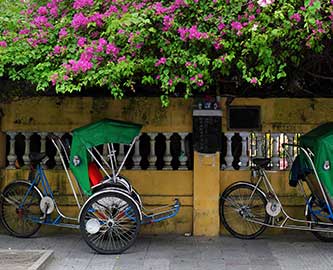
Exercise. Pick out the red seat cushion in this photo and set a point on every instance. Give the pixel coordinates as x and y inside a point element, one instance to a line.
<point>95,175</point>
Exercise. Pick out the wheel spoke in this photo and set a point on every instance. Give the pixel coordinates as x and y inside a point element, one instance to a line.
<point>241,206</point>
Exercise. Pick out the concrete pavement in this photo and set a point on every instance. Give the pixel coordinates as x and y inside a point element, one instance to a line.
<point>294,250</point>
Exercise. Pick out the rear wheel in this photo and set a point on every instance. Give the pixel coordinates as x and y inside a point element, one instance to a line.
<point>322,236</point>
<point>110,222</point>
<point>241,206</point>
<point>20,209</point>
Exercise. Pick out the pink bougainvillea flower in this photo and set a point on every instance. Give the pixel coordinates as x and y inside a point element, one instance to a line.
<point>81,41</point>
<point>79,20</point>
<point>160,61</point>
<point>265,3</point>
<point>57,49</point>
<point>78,4</point>
<point>54,78</point>
<point>63,33</point>
<point>121,59</point>
<point>236,26</point>
<point>24,31</point>
<point>42,11</point>
<point>221,26</point>
<point>167,22</point>
<point>112,49</point>
<point>200,83</point>
<point>296,17</point>
<point>3,44</point>
<point>254,80</point>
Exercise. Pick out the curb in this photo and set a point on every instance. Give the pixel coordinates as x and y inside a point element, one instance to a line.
<point>42,261</point>
<point>24,259</point>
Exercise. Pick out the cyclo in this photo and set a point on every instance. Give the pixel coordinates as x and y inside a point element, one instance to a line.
<point>247,208</point>
<point>110,209</point>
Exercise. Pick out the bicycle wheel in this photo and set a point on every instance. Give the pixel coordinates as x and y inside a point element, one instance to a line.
<point>110,223</point>
<point>240,208</point>
<point>322,236</point>
<point>20,210</point>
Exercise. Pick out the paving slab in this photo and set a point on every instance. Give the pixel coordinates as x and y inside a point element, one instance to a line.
<point>24,259</point>
<point>293,250</point>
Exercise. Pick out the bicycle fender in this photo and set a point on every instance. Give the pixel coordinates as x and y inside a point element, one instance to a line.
<point>248,184</point>
<point>28,183</point>
<point>115,190</point>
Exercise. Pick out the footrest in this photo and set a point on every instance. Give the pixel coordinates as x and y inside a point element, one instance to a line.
<point>161,213</point>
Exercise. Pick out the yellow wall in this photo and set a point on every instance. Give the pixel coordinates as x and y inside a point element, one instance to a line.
<point>64,114</point>
<point>291,197</point>
<point>157,188</point>
<point>160,187</point>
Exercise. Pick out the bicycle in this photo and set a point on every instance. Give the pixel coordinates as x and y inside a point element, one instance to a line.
<point>110,209</point>
<point>248,208</point>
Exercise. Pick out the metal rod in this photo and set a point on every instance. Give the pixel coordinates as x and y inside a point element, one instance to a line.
<point>102,158</point>
<point>99,164</point>
<point>128,152</point>
<point>113,156</point>
<point>67,173</point>
<point>112,165</point>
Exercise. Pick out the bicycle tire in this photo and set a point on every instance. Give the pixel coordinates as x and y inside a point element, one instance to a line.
<point>322,236</point>
<point>237,221</point>
<point>19,220</point>
<point>119,221</point>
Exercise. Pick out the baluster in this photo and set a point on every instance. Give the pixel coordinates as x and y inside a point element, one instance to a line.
<point>121,154</point>
<point>182,157</point>
<point>136,157</point>
<point>259,145</point>
<point>244,156</point>
<point>253,145</point>
<point>275,151</point>
<point>290,148</point>
<point>228,157</point>
<point>167,156</point>
<point>25,157</point>
<point>57,159</point>
<point>152,156</point>
<point>11,156</point>
<point>105,151</point>
<point>43,145</point>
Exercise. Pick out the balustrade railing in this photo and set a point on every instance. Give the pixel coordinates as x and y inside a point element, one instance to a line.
<point>164,151</point>
<point>169,153</point>
<point>242,147</point>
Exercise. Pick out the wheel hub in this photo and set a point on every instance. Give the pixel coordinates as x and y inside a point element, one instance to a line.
<point>244,212</point>
<point>110,223</point>
<point>20,212</point>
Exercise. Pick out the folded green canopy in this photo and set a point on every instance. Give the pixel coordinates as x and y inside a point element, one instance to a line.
<point>320,142</point>
<point>94,134</point>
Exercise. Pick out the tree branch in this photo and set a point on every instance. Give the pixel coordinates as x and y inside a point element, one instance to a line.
<point>319,76</point>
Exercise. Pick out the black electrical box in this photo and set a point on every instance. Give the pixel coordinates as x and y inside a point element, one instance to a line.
<point>207,129</point>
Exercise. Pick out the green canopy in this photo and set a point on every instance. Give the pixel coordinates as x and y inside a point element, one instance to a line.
<point>320,142</point>
<point>101,132</point>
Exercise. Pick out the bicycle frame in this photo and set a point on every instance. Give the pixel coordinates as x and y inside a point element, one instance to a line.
<point>263,180</point>
<point>40,179</point>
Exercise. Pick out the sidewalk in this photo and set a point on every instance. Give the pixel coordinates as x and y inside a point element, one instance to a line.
<point>288,251</point>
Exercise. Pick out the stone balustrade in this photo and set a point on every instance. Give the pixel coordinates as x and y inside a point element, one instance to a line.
<point>163,151</point>
<point>152,150</point>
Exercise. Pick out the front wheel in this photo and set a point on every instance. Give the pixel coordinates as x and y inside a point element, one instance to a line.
<point>20,209</point>
<point>110,222</point>
<point>243,211</point>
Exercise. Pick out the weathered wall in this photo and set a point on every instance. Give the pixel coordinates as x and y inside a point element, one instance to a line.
<point>64,114</point>
<point>160,187</point>
<point>157,188</point>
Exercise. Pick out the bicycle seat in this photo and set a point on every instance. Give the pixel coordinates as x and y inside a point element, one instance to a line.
<point>261,162</point>
<point>36,157</point>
